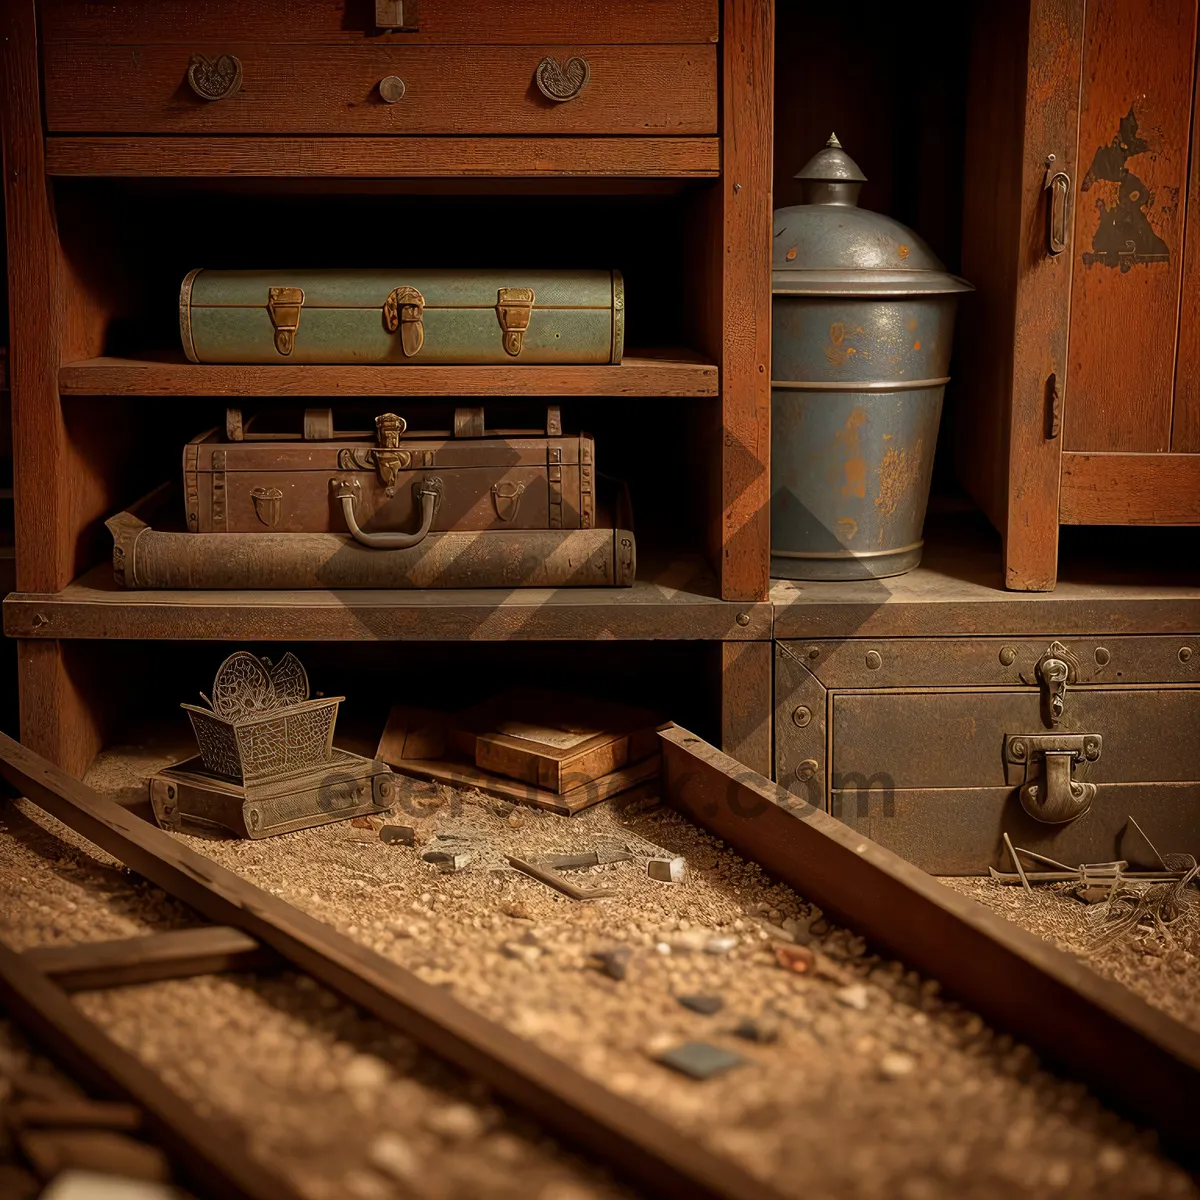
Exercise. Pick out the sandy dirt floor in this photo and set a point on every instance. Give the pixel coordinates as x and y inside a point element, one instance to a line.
<point>863,1081</point>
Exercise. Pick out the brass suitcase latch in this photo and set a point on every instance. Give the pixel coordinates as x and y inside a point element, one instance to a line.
<point>404,310</point>
<point>514,307</point>
<point>283,307</point>
<point>1052,794</point>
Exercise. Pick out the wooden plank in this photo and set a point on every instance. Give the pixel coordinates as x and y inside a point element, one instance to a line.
<point>675,373</point>
<point>746,682</point>
<point>627,1137</point>
<point>352,21</point>
<point>1131,489</point>
<point>1093,1027</point>
<point>35,280</point>
<point>383,157</point>
<point>1185,417</point>
<point>218,1165</point>
<point>1023,107</point>
<point>744,315</point>
<point>635,91</point>
<point>177,954</point>
<point>57,717</point>
<point>673,603</point>
<point>1133,153</point>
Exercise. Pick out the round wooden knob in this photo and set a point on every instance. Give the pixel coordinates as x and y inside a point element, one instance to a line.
<point>391,89</point>
<point>214,78</point>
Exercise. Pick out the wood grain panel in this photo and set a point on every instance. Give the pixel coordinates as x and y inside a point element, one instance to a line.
<point>440,21</point>
<point>1132,177</point>
<point>1023,107</point>
<point>57,719</point>
<point>1185,420</point>
<point>1131,489</point>
<point>670,375</point>
<point>744,268</point>
<point>746,669</point>
<point>633,90</point>
<point>384,157</point>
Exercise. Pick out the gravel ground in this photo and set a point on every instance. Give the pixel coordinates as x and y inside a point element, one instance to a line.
<point>342,1106</point>
<point>1161,965</point>
<point>872,1087</point>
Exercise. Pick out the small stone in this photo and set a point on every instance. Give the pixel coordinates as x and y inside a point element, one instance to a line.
<point>365,1185</point>
<point>688,940</point>
<point>775,932</point>
<point>517,909</point>
<point>794,958</point>
<point>854,995</point>
<point>615,962</point>
<point>896,1065</point>
<point>525,953</point>
<point>722,944</point>
<point>667,870</point>
<point>700,1060</point>
<point>457,1122</point>
<point>797,932</point>
<point>391,1155</point>
<point>1110,1160</point>
<point>818,928</point>
<point>398,835</point>
<point>1058,1174</point>
<point>825,968</point>
<point>364,1073</point>
<point>704,1004</point>
<point>516,819</point>
<point>761,1030</point>
<point>449,864</point>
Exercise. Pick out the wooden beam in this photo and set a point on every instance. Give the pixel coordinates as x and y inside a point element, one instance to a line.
<point>1130,489</point>
<point>205,1152</point>
<point>177,954</point>
<point>746,703</point>
<point>625,1136</point>
<point>383,157</point>
<point>1093,1027</point>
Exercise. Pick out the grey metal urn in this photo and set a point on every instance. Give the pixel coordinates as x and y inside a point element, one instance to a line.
<point>862,324</point>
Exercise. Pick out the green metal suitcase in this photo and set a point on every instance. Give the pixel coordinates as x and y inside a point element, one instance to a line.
<point>391,316</point>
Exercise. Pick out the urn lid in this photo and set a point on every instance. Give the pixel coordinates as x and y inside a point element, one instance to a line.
<point>828,246</point>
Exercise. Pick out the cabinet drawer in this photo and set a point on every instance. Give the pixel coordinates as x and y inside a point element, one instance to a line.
<point>922,762</point>
<point>330,89</point>
<point>142,22</point>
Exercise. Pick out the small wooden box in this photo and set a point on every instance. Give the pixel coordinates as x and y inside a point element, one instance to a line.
<point>188,797</point>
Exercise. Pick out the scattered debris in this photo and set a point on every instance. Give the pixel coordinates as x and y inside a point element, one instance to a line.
<point>854,995</point>
<point>721,944</point>
<point>759,1030</point>
<point>589,858</point>
<point>51,1151</point>
<point>703,1004</point>
<point>556,881</point>
<point>392,1155</point>
<point>92,1185</point>
<point>398,835</point>
<point>615,962</point>
<point>701,1060</point>
<point>456,1122</point>
<point>794,958</point>
<point>524,951</point>
<point>667,870</point>
<point>896,1065</point>
<point>449,852</point>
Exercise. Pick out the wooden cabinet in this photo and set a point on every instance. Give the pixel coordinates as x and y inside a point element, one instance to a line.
<point>1081,231</point>
<point>119,178</point>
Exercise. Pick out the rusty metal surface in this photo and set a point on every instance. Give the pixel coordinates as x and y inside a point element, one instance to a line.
<point>862,326</point>
<point>1089,1026</point>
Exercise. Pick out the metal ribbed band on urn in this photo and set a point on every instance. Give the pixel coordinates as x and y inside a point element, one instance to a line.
<point>863,319</point>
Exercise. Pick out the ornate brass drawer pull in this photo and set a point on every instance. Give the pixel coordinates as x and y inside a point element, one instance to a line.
<point>561,84</point>
<point>391,89</point>
<point>215,78</point>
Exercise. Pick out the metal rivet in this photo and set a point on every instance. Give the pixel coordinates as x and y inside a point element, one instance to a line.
<point>806,770</point>
<point>813,651</point>
<point>391,89</point>
<point>1185,654</point>
<point>801,716</point>
<point>743,619</point>
<point>1102,656</point>
<point>1017,749</point>
<point>1008,656</point>
<point>737,187</point>
<point>874,660</point>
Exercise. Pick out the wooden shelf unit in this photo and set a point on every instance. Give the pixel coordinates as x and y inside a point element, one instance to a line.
<point>645,374</point>
<point>77,413</point>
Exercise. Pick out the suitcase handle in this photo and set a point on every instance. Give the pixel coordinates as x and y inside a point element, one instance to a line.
<point>427,490</point>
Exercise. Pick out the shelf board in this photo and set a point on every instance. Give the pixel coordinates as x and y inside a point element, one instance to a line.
<point>652,373</point>
<point>675,602</point>
<point>386,157</point>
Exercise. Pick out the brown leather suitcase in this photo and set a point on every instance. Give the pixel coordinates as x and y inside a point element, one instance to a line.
<point>391,487</point>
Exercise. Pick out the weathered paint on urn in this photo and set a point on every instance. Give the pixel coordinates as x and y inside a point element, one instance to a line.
<point>863,319</point>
